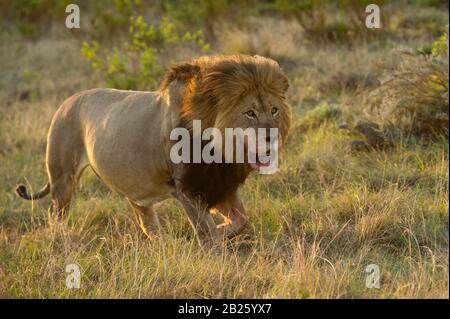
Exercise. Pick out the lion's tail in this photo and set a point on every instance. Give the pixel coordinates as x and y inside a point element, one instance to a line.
<point>22,191</point>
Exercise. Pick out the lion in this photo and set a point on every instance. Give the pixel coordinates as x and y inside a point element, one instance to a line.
<point>124,137</point>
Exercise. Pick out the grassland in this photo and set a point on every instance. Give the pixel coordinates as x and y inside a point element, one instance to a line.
<point>314,226</point>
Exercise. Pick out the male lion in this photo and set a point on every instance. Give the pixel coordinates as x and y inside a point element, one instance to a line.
<point>124,137</point>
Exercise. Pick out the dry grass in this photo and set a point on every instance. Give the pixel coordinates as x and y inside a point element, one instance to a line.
<point>314,226</point>
<point>424,109</point>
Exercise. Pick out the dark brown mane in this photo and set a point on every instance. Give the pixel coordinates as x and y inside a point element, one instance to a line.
<point>212,183</point>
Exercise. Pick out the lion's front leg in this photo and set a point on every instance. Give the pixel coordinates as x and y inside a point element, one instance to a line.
<point>234,215</point>
<point>201,220</point>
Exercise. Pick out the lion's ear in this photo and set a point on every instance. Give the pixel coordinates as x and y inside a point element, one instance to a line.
<point>175,82</point>
<point>182,71</point>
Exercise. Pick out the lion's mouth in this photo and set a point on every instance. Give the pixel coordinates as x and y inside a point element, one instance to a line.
<point>261,161</point>
<point>261,157</point>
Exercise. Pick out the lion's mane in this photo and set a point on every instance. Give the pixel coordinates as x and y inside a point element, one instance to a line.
<point>218,83</point>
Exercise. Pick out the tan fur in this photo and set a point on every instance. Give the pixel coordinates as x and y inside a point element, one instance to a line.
<point>124,137</point>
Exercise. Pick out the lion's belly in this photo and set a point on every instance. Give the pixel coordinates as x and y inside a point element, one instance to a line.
<point>143,187</point>
<point>137,175</point>
<point>122,142</point>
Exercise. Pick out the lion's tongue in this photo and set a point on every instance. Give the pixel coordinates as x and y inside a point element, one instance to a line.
<point>258,164</point>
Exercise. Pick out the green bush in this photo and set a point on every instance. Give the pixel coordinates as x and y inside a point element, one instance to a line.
<point>138,64</point>
<point>440,46</point>
<point>432,3</point>
<point>113,16</point>
<point>32,16</point>
<point>328,20</point>
<point>198,14</point>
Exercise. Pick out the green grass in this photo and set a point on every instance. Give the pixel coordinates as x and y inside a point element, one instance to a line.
<point>314,226</point>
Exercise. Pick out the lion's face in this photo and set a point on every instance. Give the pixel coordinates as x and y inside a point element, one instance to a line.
<point>259,111</point>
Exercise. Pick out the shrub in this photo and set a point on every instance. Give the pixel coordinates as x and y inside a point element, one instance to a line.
<point>199,14</point>
<point>432,3</point>
<point>113,16</point>
<point>413,97</point>
<point>328,20</point>
<point>322,113</point>
<point>31,16</point>
<point>138,64</point>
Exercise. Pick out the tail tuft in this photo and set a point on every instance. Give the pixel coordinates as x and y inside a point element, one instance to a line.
<point>22,191</point>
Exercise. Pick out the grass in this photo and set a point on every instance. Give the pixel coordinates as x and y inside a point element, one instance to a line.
<point>314,226</point>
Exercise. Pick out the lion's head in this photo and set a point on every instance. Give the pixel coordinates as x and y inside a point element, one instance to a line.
<point>237,91</point>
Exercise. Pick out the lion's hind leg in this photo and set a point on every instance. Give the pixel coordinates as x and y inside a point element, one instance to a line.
<point>64,170</point>
<point>62,187</point>
<point>147,220</point>
<point>61,190</point>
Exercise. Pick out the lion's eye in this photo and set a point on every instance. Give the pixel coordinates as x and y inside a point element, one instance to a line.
<point>250,114</point>
<point>274,111</point>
